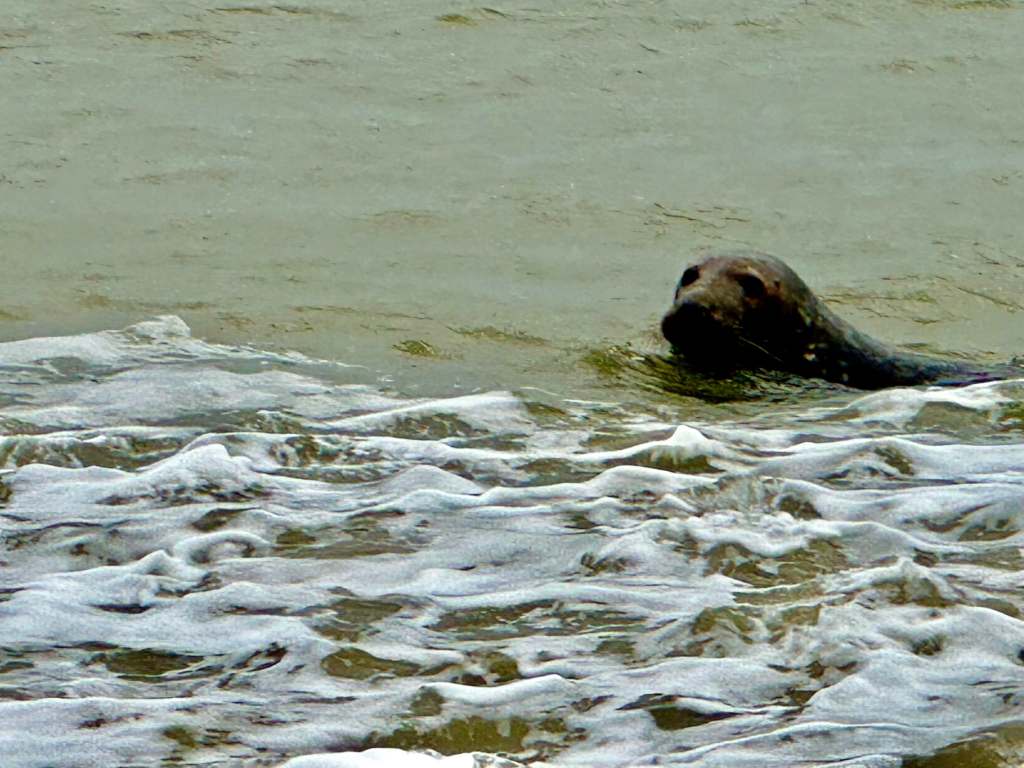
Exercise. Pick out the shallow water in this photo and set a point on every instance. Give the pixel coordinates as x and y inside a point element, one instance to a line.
<point>482,196</point>
<point>218,555</point>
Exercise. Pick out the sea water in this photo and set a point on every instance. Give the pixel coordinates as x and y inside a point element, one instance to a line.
<point>219,556</point>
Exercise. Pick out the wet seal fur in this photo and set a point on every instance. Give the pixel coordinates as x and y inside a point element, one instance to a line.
<point>744,310</point>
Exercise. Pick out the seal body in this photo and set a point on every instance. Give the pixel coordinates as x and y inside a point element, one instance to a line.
<point>742,309</point>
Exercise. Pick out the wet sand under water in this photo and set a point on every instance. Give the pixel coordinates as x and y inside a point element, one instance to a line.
<point>478,197</point>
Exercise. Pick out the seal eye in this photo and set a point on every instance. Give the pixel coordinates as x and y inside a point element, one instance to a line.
<point>689,276</point>
<point>752,285</point>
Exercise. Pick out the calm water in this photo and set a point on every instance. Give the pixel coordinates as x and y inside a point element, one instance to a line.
<point>222,556</point>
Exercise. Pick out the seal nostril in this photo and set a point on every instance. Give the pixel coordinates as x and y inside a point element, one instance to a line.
<point>690,311</point>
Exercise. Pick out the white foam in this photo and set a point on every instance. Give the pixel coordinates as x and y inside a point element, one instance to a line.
<point>398,758</point>
<point>900,406</point>
<point>495,412</point>
<point>812,585</point>
<point>510,693</point>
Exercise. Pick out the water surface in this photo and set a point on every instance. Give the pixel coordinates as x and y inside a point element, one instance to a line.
<point>477,513</point>
<point>478,197</point>
<point>216,555</point>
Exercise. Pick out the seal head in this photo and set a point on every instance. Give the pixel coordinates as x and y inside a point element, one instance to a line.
<point>743,309</point>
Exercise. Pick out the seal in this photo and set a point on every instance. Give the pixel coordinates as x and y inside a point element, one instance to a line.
<point>738,310</point>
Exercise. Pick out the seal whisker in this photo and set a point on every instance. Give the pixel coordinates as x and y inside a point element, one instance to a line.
<point>760,349</point>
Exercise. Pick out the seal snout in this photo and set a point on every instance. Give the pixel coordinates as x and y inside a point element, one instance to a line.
<point>670,325</point>
<point>684,317</point>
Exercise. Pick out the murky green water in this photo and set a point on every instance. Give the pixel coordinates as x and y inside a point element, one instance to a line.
<point>473,197</point>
